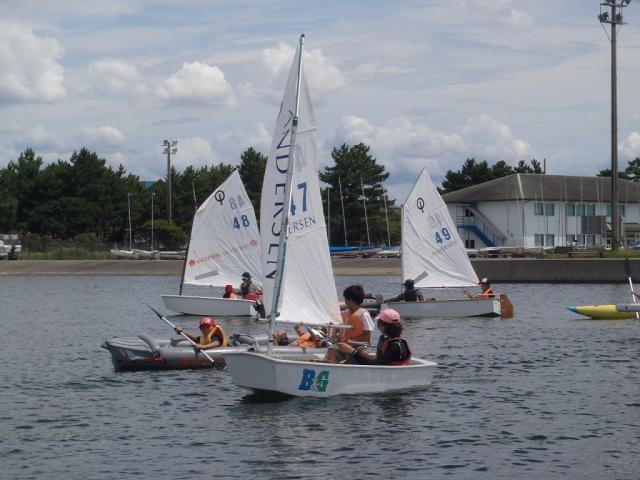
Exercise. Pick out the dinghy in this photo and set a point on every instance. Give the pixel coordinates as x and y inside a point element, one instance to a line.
<point>145,352</point>
<point>433,255</point>
<point>224,243</point>
<point>607,312</point>
<point>298,278</point>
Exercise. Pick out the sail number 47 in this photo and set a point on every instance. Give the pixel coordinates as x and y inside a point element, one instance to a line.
<point>445,234</point>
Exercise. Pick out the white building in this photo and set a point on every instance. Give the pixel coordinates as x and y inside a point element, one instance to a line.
<point>534,210</point>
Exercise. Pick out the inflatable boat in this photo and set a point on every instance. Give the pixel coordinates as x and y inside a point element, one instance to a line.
<point>150,353</point>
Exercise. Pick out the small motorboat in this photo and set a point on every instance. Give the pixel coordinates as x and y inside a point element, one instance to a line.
<point>145,352</point>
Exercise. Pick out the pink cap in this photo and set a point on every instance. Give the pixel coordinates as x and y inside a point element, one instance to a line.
<point>389,315</point>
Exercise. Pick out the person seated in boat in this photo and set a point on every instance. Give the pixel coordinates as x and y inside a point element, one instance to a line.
<point>304,340</point>
<point>250,291</point>
<point>358,318</point>
<point>410,294</point>
<point>212,335</point>
<point>487,291</point>
<point>392,349</point>
<point>229,293</point>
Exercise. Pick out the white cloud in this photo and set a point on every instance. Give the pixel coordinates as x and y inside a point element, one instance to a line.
<point>322,76</point>
<point>630,148</point>
<point>195,152</point>
<point>37,138</point>
<point>113,77</point>
<point>501,11</point>
<point>406,147</point>
<point>197,83</point>
<point>29,68</point>
<point>105,137</point>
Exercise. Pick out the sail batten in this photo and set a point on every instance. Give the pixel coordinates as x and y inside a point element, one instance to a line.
<point>433,253</point>
<point>225,241</point>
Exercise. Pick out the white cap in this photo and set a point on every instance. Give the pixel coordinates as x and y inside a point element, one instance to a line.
<point>484,280</point>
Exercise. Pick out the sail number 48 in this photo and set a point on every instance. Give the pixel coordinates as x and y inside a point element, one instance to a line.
<point>244,222</point>
<point>445,234</point>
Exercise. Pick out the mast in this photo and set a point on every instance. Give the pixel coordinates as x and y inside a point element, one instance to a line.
<point>153,194</point>
<point>344,219</point>
<point>401,247</point>
<point>328,217</point>
<point>186,252</point>
<point>286,207</point>
<point>129,211</point>
<point>386,216</point>
<point>366,220</point>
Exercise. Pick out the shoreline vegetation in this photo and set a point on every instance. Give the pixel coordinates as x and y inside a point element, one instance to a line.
<point>499,270</point>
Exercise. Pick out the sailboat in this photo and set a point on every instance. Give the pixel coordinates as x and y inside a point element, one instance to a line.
<point>297,274</point>
<point>224,243</point>
<point>134,253</point>
<point>433,255</point>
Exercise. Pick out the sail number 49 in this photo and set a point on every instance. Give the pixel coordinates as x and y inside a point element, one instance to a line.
<point>445,234</point>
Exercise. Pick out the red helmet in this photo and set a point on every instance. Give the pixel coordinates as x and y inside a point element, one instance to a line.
<point>208,322</point>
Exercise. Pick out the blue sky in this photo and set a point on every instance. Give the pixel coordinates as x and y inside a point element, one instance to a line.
<point>426,83</point>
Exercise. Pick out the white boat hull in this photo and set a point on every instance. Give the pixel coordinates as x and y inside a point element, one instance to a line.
<point>297,376</point>
<point>449,308</point>
<point>222,307</point>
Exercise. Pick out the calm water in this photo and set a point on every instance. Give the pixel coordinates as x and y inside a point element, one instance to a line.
<point>544,395</point>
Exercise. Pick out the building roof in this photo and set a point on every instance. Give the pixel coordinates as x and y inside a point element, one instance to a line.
<point>540,187</point>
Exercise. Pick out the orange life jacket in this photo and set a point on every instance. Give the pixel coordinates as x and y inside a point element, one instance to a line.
<point>488,293</point>
<point>358,333</point>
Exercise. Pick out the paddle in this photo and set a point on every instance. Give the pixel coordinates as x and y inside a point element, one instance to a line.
<point>163,318</point>
<point>627,269</point>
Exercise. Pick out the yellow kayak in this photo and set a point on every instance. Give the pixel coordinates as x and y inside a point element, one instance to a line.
<point>602,312</point>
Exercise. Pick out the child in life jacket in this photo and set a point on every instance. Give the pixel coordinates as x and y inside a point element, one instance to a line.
<point>229,293</point>
<point>212,335</point>
<point>391,350</point>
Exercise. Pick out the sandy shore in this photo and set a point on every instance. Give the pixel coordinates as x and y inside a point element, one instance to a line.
<point>341,266</point>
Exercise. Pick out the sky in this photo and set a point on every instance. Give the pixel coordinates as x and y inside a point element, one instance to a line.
<point>424,83</point>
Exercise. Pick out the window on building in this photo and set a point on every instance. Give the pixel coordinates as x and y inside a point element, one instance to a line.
<point>621,210</point>
<point>549,209</point>
<point>589,209</point>
<point>571,240</point>
<point>590,240</point>
<point>550,240</point>
<point>470,243</point>
<point>539,239</point>
<point>538,208</point>
<point>581,240</point>
<point>468,213</point>
<point>571,209</point>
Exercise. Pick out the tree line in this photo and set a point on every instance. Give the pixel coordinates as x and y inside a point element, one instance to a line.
<point>84,197</point>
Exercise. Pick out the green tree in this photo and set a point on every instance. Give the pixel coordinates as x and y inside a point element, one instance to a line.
<point>353,167</point>
<point>251,169</point>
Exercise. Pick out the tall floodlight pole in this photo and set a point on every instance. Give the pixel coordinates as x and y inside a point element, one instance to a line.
<point>344,219</point>
<point>614,18</point>
<point>170,148</point>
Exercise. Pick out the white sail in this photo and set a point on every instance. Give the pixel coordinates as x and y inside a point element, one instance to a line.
<point>308,288</point>
<point>225,241</point>
<point>432,252</point>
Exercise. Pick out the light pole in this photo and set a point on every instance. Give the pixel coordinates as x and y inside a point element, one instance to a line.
<point>129,215</point>
<point>614,18</point>
<point>169,149</point>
